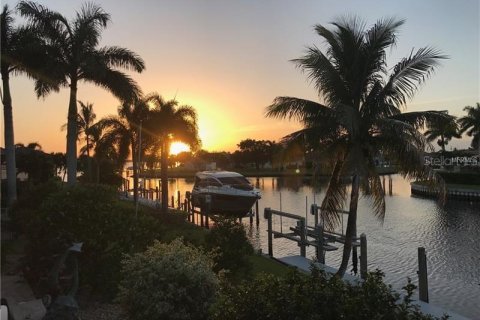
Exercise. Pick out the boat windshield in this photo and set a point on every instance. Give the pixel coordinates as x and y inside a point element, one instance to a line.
<point>236,182</point>
<point>206,182</point>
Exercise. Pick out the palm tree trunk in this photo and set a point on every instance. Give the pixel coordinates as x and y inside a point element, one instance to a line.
<point>72,135</point>
<point>89,161</point>
<point>136,172</point>
<point>9,141</point>
<point>351,225</point>
<point>164,176</point>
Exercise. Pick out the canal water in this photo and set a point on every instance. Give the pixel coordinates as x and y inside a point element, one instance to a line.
<point>450,235</point>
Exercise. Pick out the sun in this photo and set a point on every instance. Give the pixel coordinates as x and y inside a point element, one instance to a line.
<point>178,147</point>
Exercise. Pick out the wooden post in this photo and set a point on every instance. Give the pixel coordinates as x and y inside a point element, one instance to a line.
<point>422,275</point>
<point>178,198</point>
<point>363,256</point>
<point>319,249</point>
<point>257,213</point>
<point>189,209</point>
<point>208,204</point>
<point>303,238</point>
<point>251,216</point>
<point>268,215</point>
<point>314,212</point>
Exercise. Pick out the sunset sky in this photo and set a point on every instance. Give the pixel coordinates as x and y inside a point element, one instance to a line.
<point>230,59</point>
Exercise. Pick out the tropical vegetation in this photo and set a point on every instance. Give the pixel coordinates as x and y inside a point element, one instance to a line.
<point>470,124</point>
<point>168,281</point>
<point>168,122</point>
<point>74,56</point>
<point>443,130</point>
<point>361,113</point>
<point>313,296</point>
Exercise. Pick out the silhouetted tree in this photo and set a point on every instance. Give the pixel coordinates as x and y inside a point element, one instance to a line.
<point>168,122</point>
<point>471,124</point>
<point>443,129</point>
<point>74,56</point>
<point>22,51</point>
<point>362,113</point>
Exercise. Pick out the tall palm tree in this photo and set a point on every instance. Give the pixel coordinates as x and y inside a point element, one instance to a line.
<point>75,56</point>
<point>471,124</point>
<point>168,122</point>
<point>21,52</point>
<point>361,114</point>
<point>443,130</point>
<point>123,132</point>
<point>85,120</point>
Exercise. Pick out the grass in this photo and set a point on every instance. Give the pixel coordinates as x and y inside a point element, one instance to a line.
<point>262,264</point>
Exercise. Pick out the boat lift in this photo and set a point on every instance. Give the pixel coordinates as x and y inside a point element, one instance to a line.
<point>316,236</point>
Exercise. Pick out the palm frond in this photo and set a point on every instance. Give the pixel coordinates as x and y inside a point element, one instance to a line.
<point>325,76</point>
<point>335,197</point>
<point>420,119</point>
<point>118,83</point>
<point>298,109</point>
<point>410,73</point>
<point>122,57</point>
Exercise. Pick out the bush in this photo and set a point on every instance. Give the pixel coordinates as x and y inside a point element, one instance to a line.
<point>230,243</point>
<point>168,281</point>
<point>91,214</point>
<point>314,296</point>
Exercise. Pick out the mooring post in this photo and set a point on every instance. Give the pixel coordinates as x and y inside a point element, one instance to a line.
<point>173,201</point>
<point>319,249</point>
<point>303,238</point>
<point>422,275</point>
<point>187,208</point>
<point>268,215</point>
<point>178,198</point>
<point>257,214</point>
<point>314,212</point>
<point>208,206</point>
<point>363,256</point>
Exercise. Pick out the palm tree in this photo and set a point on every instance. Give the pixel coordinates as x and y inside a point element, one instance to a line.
<point>360,116</point>
<point>85,120</point>
<point>471,124</point>
<point>21,52</point>
<point>443,130</point>
<point>123,132</point>
<point>168,122</point>
<point>74,56</point>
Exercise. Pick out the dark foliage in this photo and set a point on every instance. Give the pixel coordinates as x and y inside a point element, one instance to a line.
<point>91,214</point>
<point>230,243</point>
<point>314,296</point>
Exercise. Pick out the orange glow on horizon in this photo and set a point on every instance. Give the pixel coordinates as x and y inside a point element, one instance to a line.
<point>178,147</point>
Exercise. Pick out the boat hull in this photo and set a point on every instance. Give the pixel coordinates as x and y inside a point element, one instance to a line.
<point>225,204</point>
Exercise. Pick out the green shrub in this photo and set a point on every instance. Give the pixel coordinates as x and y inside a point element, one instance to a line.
<point>168,281</point>
<point>309,297</point>
<point>230,243</point>
<point>91,214</point>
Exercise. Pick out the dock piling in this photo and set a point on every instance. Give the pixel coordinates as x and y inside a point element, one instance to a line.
<point>268,216</point>
<point>363,256</point>
<point>422,275</point>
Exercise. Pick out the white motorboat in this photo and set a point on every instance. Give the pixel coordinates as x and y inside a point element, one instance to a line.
<point>230,192</point>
